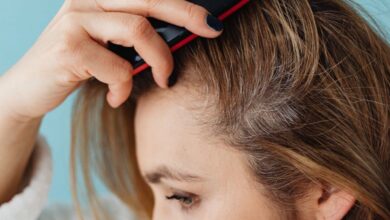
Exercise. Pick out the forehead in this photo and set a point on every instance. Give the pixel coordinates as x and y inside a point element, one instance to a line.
<point>167,134</point>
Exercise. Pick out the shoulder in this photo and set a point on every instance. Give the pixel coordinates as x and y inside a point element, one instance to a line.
<point>110,203</point>
<point>28,204</point>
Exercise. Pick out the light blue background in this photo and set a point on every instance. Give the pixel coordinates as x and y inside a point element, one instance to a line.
<point>22,21</point>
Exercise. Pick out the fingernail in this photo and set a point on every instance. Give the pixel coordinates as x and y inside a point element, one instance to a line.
<point>214,23</point>
<point>172,79</point>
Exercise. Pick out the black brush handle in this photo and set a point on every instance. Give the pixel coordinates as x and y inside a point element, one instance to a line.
<point>170,33</point>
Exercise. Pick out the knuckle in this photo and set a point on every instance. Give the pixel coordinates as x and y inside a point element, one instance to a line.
<point>65,44</point>
<point>125,25</point>
<point>151,4</point>
<point>141,28</point>
<point>122,68</point>
<point>101,3</point>
<point>193,10</point>
<point>70,51</point>
<point>69,19</point>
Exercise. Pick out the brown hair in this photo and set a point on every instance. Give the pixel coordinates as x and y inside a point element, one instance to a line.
<point>301,87</point>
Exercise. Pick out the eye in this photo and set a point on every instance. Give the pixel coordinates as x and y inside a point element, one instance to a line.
<point>187,201</point>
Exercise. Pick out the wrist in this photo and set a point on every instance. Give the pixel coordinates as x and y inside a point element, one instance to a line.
<point>14,119</point>
<point>7,112</point>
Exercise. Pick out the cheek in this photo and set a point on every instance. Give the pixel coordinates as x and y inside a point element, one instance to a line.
<point>169,209</point>
<point>227,208</point>
<point>234,200</point>
<point>161,209</point>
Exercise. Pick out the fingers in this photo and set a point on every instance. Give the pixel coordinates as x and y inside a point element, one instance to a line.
<point>186,14</point>
<point>107,67</point>
<point>132,30</point>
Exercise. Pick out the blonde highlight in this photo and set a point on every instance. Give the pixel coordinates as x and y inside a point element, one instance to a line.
<point>303,86</point>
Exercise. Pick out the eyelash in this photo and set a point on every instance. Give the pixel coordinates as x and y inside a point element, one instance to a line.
<point>187,202</point>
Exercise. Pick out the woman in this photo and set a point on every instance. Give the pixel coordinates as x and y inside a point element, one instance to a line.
<point>284,116</point>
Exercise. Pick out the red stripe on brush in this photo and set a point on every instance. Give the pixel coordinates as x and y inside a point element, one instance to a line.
<point>192,37</point>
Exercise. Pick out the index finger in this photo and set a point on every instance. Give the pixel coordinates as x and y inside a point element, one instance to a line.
<point>178,12</point>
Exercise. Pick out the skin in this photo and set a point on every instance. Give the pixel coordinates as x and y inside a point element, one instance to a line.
<point>60,61</point>
<point>210,179</point>
<point>71,50</point>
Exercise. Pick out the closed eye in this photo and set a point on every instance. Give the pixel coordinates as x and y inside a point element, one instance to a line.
<point>187,200</point>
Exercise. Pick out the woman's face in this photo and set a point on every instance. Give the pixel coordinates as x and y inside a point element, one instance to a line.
<point>192,176</point>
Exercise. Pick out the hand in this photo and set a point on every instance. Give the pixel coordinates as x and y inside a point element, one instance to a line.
<point>73,49</point>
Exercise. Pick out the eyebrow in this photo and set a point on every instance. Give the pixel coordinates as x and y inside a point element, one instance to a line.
<point>163,172</point>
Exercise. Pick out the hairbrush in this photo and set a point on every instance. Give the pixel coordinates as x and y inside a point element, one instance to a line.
<point>177,37</point>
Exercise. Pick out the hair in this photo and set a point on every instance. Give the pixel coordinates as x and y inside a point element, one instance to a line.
<point>302,88</point>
